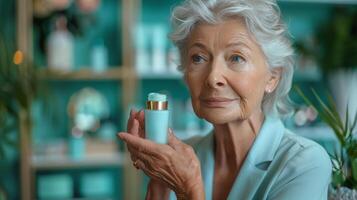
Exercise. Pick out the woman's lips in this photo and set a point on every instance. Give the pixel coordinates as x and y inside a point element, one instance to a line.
<point>217,102</point>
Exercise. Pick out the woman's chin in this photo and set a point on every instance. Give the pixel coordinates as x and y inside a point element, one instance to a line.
<point>219,117</point>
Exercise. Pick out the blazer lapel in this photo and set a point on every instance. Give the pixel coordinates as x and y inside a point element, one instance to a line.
<point>262,152</point>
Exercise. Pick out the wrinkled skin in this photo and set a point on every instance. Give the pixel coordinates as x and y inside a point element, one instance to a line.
<point>166,165</point>
<point>227,76</point>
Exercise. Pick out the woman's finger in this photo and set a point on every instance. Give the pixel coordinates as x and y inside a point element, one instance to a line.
<point>134,129</point>
<point>145,146</point>
<point>130,120</point>
<point>140,116</point>
<point>132,153</point>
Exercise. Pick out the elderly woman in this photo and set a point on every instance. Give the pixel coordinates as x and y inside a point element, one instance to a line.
<point>237,63</point>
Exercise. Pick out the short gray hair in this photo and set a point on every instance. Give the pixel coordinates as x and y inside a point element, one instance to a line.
<point>263,20</point>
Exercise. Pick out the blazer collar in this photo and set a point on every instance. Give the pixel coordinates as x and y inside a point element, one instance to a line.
<point>267,141</point>
<point>250,175</point>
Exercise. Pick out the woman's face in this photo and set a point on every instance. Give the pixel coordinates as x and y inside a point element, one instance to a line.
<point>226,72</point>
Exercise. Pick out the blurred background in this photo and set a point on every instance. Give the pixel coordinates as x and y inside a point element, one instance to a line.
<point>72,69</point>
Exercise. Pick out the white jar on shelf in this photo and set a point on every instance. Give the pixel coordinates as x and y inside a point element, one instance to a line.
<point>60,47</point>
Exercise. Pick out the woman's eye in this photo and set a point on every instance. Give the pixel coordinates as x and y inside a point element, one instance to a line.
<point>197,59</point>
<point>237,59</point>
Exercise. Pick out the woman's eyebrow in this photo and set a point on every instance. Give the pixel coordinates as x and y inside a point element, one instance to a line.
<point>199,45</point>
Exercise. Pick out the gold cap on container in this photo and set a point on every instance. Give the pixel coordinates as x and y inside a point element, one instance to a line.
<point>156,105</point>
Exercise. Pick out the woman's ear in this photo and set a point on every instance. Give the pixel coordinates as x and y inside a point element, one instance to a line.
<point>275,75</point>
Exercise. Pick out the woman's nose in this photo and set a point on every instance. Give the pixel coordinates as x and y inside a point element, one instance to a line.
<point>215,78</point>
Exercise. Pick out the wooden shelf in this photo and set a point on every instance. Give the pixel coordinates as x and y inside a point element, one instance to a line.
<point>62,162</point>
<point>161,76</point>
<point>338,2</point>
<point>113,73</point>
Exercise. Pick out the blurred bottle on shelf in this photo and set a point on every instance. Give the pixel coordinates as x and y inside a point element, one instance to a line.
<point>77,144</point>
<point>99,56</point>
<point>158,49</point>
<point>60,47</point>
<point>142,54</point>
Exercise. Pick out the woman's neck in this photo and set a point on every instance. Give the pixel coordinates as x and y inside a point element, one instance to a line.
<point>234,139</point>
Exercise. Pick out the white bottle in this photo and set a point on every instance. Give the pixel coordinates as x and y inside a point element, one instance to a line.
<point>60,47</point>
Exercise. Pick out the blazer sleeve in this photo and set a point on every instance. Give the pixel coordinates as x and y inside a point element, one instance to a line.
<point>306,175</point>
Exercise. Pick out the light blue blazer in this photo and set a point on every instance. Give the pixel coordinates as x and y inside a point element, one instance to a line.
<point>279,166</point>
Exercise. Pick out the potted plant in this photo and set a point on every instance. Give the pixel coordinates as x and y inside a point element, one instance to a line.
<point>19,85</point>
<point>344,159</point>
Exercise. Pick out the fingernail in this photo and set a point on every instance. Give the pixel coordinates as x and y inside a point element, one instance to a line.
<point>131,113</point>
<point>120,135</point>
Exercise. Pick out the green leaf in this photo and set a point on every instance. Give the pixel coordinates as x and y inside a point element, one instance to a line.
<point>354,123</point>
<point>354,169</point>
<point>326,109</point>
<point>346,129</point>
<point>299,91</point>
<point>337,178</point>
<point>334,108</point>
<point>326,114</point>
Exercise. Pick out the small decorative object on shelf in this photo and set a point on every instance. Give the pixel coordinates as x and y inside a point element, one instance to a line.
<point>85,109</point>
<point>304,116</point>
<point>344,160</point>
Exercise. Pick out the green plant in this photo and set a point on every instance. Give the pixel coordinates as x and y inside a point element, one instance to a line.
<point>19,85</point>
<point>344,160</point>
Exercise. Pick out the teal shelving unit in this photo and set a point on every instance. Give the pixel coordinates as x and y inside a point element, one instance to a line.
<point>44,155</point>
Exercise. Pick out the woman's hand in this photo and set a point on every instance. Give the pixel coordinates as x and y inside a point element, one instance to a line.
<point>156,190</point>
<point>175,164</point>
